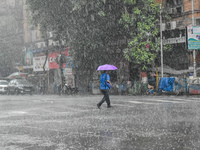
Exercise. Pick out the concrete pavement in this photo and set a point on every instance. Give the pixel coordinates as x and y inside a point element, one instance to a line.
<point>42,122</point>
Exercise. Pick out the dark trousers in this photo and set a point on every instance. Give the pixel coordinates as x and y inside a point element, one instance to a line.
<point>105,98</point>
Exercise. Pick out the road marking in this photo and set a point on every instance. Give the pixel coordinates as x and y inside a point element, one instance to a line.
<point>155,101</point>
<point>167,101</point>
<point>191,100</point>
<point>17,112</point>
<point>179,99</point>
<point>12,113</point>
<point>137,102</point>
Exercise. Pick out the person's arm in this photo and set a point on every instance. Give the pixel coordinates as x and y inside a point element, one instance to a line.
<point>108,77</point>
<point>109,82</point>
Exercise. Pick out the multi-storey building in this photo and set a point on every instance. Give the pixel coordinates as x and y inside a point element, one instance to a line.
<point>11,35</point>
<point>40,50</point>
<point>182,14</point>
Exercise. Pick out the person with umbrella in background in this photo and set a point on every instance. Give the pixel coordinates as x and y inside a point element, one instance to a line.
<point>105,84</point>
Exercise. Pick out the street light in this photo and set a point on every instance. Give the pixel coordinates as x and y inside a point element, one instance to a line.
<point>194,55</point>
<point>161,45</point>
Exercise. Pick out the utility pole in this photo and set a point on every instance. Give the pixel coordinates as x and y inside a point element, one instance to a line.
<point>194,54</point>
<point>161,44</point>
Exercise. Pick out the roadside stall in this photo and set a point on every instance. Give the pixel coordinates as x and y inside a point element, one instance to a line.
<point>193,85</point>
<point>172,85</point>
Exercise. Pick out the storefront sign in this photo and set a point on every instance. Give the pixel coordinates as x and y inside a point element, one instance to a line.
<point>193,37</point>
<point>38,63</point>
<point>52,60</point>
<point>174,40</point>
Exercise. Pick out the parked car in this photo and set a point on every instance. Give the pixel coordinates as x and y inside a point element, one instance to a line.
<point>20,86</point>
<point>3,86</point>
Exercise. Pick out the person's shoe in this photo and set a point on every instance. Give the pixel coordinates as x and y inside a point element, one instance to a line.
<point>109,106</point>
<point>98,106</point>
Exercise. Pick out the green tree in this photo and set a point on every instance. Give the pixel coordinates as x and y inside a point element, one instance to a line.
<point>87,26</point>
<point>142,21</point>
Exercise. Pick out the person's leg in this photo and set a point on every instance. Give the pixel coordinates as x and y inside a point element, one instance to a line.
<point>103,99</point>
<point>107,98</point>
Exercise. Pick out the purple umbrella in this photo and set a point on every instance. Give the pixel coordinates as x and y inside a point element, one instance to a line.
<point>107,67</point>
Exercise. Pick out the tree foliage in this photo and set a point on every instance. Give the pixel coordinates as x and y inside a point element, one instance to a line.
<point>87,26</point>
<point>142,21</point>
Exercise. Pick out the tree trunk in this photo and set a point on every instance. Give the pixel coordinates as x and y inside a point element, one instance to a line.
<point>45,86</point>
<point>140,80</point>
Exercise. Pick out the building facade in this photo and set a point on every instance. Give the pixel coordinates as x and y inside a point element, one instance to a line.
<point>174,31</point>
<point>11,35</point>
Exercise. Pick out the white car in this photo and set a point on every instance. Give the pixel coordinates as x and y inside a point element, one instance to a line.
<point>3,86</point>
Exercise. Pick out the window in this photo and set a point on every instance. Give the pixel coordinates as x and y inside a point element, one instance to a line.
<point>173,3</point>
<point>179,10</point>
<point>198,22</point>
<point>179,2</point>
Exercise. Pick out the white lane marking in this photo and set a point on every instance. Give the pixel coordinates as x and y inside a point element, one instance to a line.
<point>155,101</point>
<point>136,102</point>
<point>165,100</point>
<point>12,113</point>
<point>187,100</point>
<point>17,112</point>
<point>195,98</point>
<point>179,99</point>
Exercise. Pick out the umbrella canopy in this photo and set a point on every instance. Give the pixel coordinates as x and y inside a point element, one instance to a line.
<point>107,67</point>
<point>17,75</point>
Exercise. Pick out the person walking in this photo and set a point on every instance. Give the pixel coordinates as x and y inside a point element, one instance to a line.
<point>104,89</point>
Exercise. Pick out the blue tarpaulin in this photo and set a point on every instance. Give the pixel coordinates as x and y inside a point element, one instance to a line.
<point>166,84</point>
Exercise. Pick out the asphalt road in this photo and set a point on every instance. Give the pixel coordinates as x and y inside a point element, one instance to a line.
<point>52,122</point>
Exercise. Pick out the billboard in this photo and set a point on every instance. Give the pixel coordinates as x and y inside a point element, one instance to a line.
<point>52,59</point>
<point>38,63</point>
<point>193,37</point>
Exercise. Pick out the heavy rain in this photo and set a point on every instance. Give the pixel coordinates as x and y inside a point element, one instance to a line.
<point>99,75</point>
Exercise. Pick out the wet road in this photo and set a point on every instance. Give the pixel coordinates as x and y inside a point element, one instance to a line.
<point>42,122</point>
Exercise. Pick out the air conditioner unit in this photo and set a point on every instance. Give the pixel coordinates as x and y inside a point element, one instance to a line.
<point>170,25</point>
<point>163,26</point>
<point>169,11</point>
<point>173,24</point>
<point>174,10</point>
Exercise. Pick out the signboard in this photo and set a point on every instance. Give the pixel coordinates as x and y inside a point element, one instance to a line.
<point>193,37</point>
<point>174,40</point>
<point>67,71</point>
<point>52,60</point>
<point>28,58</point>
<point>69,63</point>
<point>20,68</point>
<point>69,77</point>
<point>38,63</point>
